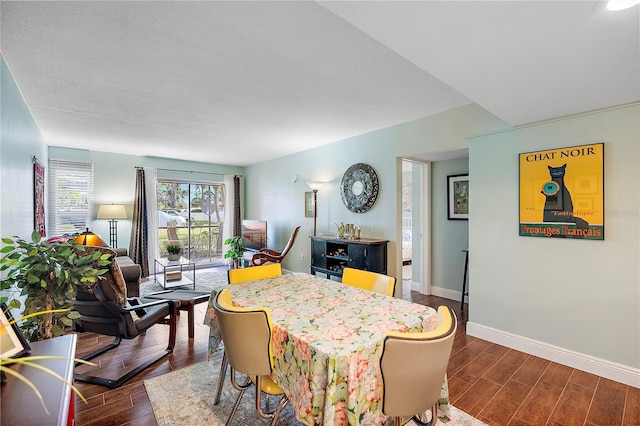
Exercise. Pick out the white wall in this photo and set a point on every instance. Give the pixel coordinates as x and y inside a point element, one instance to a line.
<point>574,301</point>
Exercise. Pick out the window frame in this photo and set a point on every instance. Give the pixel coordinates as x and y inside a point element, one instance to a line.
<point>71,186</point>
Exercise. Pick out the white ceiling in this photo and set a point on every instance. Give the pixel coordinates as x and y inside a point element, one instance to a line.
<point>242,82</point>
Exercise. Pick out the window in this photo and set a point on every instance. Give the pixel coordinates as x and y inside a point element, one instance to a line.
<point>70,196</point>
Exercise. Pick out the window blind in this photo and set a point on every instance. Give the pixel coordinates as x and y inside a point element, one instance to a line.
<point>70,196</point>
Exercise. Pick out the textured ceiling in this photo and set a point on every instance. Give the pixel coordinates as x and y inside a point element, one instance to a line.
<point>242,82</point>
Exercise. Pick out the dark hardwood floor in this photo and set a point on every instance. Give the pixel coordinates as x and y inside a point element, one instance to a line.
<point>491,382</point>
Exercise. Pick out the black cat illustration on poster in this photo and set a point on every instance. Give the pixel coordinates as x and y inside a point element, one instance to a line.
<point>558,206</point>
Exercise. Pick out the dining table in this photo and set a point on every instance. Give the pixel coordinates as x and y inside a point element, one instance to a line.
<point>327,340</point>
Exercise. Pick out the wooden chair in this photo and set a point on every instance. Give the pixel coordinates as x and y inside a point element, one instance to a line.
<point>104,309</point>
<point>236,276</point>
<point>246,333</point>
<point>265,255</point>
<point>368,280</point>
<point>413,367</point>
<point>172,236</point>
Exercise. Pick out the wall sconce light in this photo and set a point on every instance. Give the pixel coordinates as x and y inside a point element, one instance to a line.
<point>112,212</point>
<point>315,186</point>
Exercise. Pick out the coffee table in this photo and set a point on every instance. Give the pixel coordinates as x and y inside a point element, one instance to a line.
<point>188,299</point>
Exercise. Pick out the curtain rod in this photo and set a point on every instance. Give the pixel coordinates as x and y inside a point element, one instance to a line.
<point>187,171</point>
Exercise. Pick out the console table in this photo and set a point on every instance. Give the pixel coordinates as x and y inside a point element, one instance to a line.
<point>330,255</point>
<point>20,406</point>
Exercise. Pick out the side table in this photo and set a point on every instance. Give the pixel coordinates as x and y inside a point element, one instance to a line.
<point>188,299</point>
<point>20,406</point>
<point>164,269</point>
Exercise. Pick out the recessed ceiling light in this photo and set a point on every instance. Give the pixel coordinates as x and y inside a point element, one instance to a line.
<point>621,4</point>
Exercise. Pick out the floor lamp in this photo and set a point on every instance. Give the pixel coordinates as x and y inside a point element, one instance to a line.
<point>314,187</point>
<point>112,212</point>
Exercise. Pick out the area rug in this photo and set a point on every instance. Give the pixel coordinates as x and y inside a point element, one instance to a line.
<point>185,397</point>
<point>205,281</point>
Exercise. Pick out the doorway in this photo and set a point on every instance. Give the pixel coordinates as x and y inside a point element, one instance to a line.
<point>440,259</point>
<point>414,231</point>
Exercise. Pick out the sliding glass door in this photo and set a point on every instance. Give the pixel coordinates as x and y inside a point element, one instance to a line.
<point>191,214</point>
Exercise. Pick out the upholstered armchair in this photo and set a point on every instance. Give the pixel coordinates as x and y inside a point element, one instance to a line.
<point>131,272</point>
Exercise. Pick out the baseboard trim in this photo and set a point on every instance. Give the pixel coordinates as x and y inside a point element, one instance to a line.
<point>447,293</point>
<point>600,367</point>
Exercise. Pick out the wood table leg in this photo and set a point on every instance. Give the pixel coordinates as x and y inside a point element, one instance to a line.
<point>190,315</point>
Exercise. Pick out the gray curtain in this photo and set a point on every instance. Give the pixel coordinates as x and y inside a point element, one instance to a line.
<point>237,221</point>
<point>138,247</point>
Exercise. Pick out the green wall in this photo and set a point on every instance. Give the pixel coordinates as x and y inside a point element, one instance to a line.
<point>574,301</point>
<point>272,194</point>
<point>577,302</point>
<point>451,236</point>
<point>114,180</point>
<point>20,141</point>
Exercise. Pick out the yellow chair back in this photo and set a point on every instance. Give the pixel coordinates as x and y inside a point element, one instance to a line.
<point>251,273</point>
<point>368,280</point>
<point>246,333</point>
<point>413,367</point>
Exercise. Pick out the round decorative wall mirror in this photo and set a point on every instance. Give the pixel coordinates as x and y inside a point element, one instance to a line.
<point>359,188</point>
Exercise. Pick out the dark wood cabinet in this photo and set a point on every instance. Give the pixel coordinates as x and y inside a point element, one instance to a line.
<point>330,255</point>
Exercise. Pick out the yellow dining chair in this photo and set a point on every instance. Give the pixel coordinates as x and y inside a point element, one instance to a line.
<point>251,273</point>
<point>237,276</point>
<point>368,280</point>
<point>413,367</point>
<point>246,333</point>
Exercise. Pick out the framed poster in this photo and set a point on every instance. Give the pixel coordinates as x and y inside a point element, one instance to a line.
<point>308,204</point>
<point>38,198</point>
<point>12,341</point>
<point>458,197</point>
<point>562,192</point>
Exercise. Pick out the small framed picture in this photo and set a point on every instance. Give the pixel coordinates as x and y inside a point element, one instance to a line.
<point>308,204</point>
<point>458,197</point>
<point>12,342</point>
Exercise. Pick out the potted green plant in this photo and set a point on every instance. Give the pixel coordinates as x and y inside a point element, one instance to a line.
<point>236,250</point>
<point>174,251</point>
<point>48,272</point>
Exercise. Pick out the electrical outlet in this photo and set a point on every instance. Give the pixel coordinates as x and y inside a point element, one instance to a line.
<point>302,256</point>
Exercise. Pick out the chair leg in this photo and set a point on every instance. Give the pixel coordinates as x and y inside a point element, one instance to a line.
<point>283,402</point>
<point>221,377</point>
<point>242,388</point>
<point>267,414</point>
<point>421,420</point>
<point>116,383</point>
<point>102,350</point>
<point>173,328</point>
<point>235,407</point>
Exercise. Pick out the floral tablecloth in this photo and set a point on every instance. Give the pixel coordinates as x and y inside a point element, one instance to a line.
<point>327,341</point>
